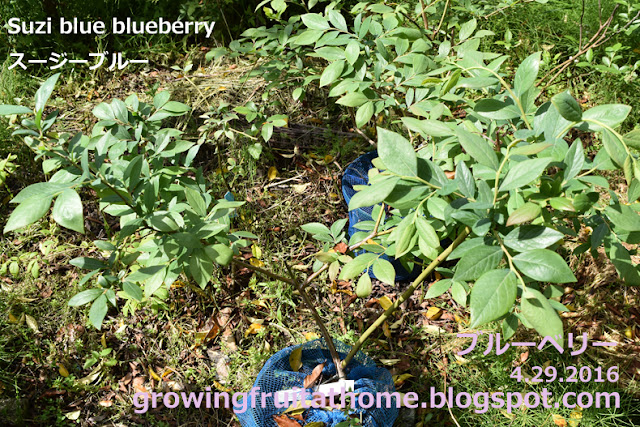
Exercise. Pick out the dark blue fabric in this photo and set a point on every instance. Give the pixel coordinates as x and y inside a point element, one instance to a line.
<point>276,375</point>
<point>357,174</point>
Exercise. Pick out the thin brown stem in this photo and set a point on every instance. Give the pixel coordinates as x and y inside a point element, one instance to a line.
<point>444,13</point>
<point>581,25</point>
<point>325,333</point>
<point>424,16</point>
<point>264,272</point>
<point>599,38</point>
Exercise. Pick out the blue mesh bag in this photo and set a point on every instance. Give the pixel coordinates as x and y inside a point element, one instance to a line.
<point>357,174</point>
<point>276,375</point>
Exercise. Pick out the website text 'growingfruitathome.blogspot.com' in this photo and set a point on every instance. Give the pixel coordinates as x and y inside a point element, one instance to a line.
<point>479,402</point>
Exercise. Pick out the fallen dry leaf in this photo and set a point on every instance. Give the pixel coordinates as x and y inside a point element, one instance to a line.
<point>311,379</point>
<point>284,421</point>
<point>253,329</point>
<point>559,420</point>
<point>295,359</point>
<point>385,302</point>
<point>272,174</point>
<point>31,323</point>
<point>341,247</point>
<point>434,313</point>
<point>63,371</point>
<point>309,336</point>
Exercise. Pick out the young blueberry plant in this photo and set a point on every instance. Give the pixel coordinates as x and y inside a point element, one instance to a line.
<point>169,222</point>
<point>508,208</point>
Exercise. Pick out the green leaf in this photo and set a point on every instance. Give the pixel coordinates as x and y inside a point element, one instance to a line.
<point>567,106</point>
<point>9,110</point>
<point>531,149</point>
<point>315,228</point>
<point>623,217</point>
<point>373,194</point>
<point>427,232</point>
<point>200,267</point>
<point>614,147</point>
<point>87,263</point>
<point>479,149</point>
<point>632,139</point>
<point>465,180</point>
<point>525,213</point>
<point>27,213</point>
<point>523,173</point>
<point>44,92</point>
<point>438,288</point>
<point>459,293</point>
<point>466,246</point>
<point>492,296</point>
<point>40,190</point>
<point>574,160</point>
<point>98,311</point>
<point>67,211</point>
<point>633,192</point>
<point>163,221</point>
<point>526,74</point>
<point>496,110</point>
<point>397,153</point>
<point>406,237</point>
<point>509,326</point>
<point>338,20</point>
<point>315,21</point>
<point>219,253</point>
<point>621,259</point>
<point>331,73</point>
<point>428,127</point>
<point>161,98</point>
<point>353,99</point>
<point>467,29</point>
<point>352,52</point>
<point>530,237</point>
<point>562,204</point>
<point>154,281</point>
<point>356,266</point>
<point>103,111</point>
<point>85,297</point>
<point>308,37</point>
<point>544,265</point>
<point>363,288</point>
<point>172,106</point>
<point>539,314</point>
<point>120,110</point>
<point>195,200</point>
<point>132,290</point>
<point>610,115</point>
<point>364,114</point>
<point>478,261</point>
<point>584,201</point>
<point>384,271</point>
<point>267,131</point>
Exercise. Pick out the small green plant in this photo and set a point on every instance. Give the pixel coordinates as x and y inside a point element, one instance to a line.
<point>7,167</point>
<point>220,124</point>
<point>103,356</point>
<point>169,222</point>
